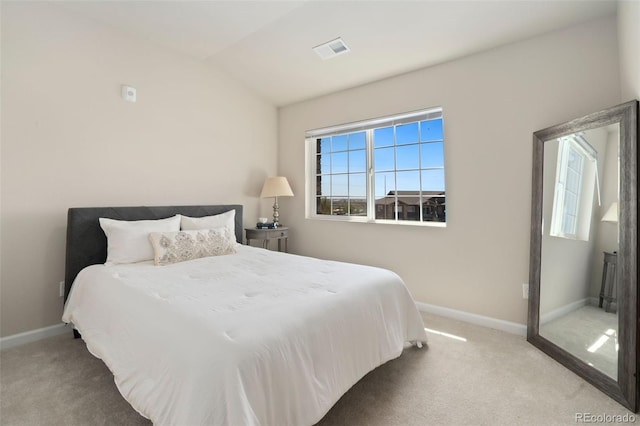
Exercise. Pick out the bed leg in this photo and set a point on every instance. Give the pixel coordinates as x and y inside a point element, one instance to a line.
<point>76,334</point>
<point>418,344</point>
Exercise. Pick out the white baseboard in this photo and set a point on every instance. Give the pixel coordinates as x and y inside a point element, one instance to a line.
<point>564,310</point>
<point>34,335</point>
<point>498,324</point>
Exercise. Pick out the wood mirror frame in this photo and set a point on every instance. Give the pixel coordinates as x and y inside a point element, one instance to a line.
<point>625,388</point>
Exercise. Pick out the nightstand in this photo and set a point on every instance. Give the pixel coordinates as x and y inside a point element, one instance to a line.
<point>608,289</point>
<point>266,235</point>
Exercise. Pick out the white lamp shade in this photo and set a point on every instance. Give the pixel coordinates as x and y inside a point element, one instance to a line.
<point>277,186</point>
<point>612,213</point>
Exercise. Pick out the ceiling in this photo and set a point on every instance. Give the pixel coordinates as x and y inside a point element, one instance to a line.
<point>267,45</point>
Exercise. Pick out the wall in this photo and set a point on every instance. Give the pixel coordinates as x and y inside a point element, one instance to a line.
<point>629,44</point>
<point>1,174</point>
<point>492,103</point>
<point>607,232</point>
<point>68,140</point>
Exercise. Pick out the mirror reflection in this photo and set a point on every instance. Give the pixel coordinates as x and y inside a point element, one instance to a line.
<point>578,291</point>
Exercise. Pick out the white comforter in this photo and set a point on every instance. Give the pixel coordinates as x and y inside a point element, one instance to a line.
<point>258,337</point>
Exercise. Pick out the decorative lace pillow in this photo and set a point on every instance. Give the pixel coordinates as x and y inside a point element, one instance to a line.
<point>174,247</point>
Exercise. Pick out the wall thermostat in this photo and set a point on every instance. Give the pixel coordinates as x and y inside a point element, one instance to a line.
<point>129,93</point>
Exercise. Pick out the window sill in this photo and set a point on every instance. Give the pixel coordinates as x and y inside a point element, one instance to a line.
<point>569,237</point>
<point>356,219</point>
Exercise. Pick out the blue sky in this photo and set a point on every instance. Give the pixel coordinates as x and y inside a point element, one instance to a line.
<point>418,151</point>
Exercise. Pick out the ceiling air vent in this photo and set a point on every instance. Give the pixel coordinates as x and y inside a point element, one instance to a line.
<point>331,49</point>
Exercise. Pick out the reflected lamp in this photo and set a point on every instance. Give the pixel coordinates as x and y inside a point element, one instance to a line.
<point>612,213</point>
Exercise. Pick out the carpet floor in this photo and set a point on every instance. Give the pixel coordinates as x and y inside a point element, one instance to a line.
<point>468,375</point>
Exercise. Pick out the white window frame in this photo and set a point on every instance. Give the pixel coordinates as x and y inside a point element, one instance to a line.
<point>577,145</point>
<point>368,126</point>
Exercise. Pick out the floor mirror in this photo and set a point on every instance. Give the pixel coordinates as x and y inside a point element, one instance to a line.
<point>583,299</point>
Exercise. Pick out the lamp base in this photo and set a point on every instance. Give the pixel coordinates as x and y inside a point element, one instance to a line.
<point>276,213</point>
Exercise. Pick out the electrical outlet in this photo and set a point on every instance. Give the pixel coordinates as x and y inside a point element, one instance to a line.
<point>525,291</point>
<point>61,288</point>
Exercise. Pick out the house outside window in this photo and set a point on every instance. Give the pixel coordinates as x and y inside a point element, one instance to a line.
<point>389,170</point>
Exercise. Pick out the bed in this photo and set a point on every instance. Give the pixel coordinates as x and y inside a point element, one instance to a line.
<point>251,338</point>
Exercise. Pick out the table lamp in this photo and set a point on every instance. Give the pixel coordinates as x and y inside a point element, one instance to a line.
<point>276,186</point>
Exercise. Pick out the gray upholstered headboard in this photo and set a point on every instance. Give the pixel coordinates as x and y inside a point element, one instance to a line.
<point>87,244</point>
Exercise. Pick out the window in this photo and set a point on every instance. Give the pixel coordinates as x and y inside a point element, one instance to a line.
<point>341,179</point>
<point>387,169</point>
<point>576,177</point>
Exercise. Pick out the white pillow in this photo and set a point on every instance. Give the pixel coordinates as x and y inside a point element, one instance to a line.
<point>173,247</point>
<point>128,240</point>
<point>227,219</point>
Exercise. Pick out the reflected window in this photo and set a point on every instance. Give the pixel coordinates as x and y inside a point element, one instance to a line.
<point>576,179</point>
